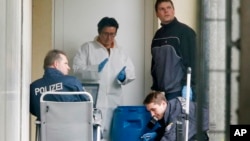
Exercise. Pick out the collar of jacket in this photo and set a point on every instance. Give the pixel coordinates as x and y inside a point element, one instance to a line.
<point>170,24</point>
<point>52,72</point>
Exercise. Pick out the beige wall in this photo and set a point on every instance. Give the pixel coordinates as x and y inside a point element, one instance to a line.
<point>41,41</point>
<point>186,12</point>
<point>41,34</point>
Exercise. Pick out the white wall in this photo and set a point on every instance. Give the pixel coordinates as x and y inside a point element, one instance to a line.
<point>15,47</point>
<point>76,22</point>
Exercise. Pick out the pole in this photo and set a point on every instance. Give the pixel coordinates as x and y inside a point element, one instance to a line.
<point>188,101</point>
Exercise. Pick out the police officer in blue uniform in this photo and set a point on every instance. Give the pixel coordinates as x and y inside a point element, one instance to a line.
<point>171,117</point>
<point>55,78</point>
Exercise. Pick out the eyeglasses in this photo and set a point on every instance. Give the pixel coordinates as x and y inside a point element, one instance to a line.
<point>107,34</point>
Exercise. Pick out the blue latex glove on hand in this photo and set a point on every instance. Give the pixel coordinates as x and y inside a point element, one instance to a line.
<point>148,136</point>
<point>102,64</point>
<point>184,92</point>
<point>122,75</point>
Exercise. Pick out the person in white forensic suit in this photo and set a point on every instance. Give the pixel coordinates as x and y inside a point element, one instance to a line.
<point>103,61</point>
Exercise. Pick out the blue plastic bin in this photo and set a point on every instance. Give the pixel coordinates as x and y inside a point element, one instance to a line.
<point>129,123</point>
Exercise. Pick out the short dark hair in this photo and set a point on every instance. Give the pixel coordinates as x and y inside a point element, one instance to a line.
<point>107,22</point>
<point>155,97</point>
<point>160,1</point>
<point>51,57</point>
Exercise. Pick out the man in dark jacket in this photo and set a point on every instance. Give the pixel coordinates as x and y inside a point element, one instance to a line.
<point>55,78</point>
<point>171,116</point>
<point>173,51</point>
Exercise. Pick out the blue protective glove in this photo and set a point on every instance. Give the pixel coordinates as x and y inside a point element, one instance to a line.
<point>122,74</point>
<point>148,136</point>
<point>102,64</point>
<point>184,92</point>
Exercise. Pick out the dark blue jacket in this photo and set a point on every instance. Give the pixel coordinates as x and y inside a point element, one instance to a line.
<point>54,80</point>
<point>173,50</point>
<point>174,111</point>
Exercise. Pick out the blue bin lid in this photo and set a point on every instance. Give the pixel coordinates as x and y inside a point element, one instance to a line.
<point>139,108</point>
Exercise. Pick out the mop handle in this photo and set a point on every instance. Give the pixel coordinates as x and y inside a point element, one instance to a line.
<point>188,100</point>
<point>188,89</point>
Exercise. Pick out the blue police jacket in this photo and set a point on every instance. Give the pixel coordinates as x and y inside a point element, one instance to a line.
<point>54,80</point>
<point>174,112</point>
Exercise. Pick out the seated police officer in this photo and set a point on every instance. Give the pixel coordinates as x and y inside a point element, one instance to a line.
<point>55,78</point>
<point>171,117</point>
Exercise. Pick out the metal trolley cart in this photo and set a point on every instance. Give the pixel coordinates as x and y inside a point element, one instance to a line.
<point>68,121</point>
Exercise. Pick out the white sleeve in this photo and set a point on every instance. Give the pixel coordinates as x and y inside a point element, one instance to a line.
<point>81,66</point>
<point>130,69</point>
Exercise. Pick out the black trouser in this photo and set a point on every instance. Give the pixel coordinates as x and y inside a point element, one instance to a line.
<point>173,95</point>
<point>204,136</point>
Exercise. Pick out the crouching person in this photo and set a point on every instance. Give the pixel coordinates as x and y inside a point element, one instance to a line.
<point>171,117</point>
